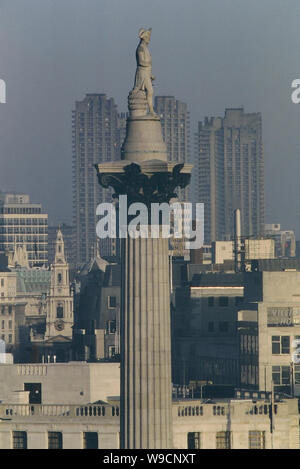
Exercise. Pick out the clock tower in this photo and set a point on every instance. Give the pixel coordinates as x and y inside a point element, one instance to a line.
<point>60,316</point>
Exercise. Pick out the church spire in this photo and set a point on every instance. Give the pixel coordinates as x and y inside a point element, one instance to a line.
<point>59,248</point>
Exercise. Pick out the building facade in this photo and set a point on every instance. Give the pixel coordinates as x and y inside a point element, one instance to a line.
<point>36,307</point>
<point>95,139</point>
<point>220,424</point>
<point>175,125</point>
<point>269,330</point>
<point>230,173</point>
<point>23,223</point>
<point>285,240</point>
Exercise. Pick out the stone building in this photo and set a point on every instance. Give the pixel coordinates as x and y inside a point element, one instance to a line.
<point>36,307</point>
<point>86,414</point>
<point>97,311</point>
<point>269,332</point>
<point>205,341</point>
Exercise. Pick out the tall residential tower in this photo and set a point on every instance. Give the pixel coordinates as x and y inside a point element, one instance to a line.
<point>230,173</point>
<point>95,138</point>
<point>175,125</point>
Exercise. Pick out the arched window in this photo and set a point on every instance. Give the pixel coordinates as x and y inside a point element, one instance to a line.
<point>60,311</point>
<point>59,278</point>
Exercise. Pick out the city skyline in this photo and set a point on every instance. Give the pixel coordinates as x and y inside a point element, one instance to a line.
<point>38,60</point>
<point>176,329</point>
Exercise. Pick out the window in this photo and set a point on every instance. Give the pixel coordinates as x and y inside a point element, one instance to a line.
<point>223,440</point>
<point>19,440</point>
<point>193,440</point>
<point>223,326</point>
<point>276,345</point>
<point>239,300</point>
<point>112,302</point>
<point>281,376</point>
<point>218,410</point>
<point>257,440</point>
<point>280,344</point>
<point>60,311</point>
<point>111,351</point>
<point>223,301</point>
<point>35,392</point>
<point>211,326</point>
<point>111,327</point>
<point>297,374</point>
<point>55,440</point>
<point>211,301</point>
<point>59,278</point>
<point>90,440</point>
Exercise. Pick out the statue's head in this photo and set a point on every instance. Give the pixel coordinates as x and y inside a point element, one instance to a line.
<point>145,34</point>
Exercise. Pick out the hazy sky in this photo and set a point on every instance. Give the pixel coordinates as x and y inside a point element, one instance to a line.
<point>212,54</point>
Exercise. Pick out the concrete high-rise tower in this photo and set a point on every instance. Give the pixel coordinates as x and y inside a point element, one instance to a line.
<point>95,139</point>
<point>209,176</point>
<point>145,175</point>
<point>175,123</point>
<point>230,174</point>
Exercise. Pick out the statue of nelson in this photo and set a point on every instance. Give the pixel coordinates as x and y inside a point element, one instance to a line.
<point>143,77</point>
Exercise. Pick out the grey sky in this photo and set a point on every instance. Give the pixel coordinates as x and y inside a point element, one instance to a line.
<point>212,54</point>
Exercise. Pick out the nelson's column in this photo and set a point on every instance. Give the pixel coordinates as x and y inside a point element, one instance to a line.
<point>144,175</point>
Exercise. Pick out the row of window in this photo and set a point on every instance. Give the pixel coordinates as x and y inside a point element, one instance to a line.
<point>222,326</point>
<point>256,440</point>
<point>8,339</point>
<point>6,309</point>
<point>21,221</point>
<point>281,345</point>
<point>223,301</point>
<point>4,324</point>
<point>55,440</point>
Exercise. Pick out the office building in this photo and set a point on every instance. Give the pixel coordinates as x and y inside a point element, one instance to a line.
<point>23,223</point>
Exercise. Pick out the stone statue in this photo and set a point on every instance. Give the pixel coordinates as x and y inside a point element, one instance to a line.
<point>143,76</point>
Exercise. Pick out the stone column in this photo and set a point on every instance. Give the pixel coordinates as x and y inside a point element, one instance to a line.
<point>145,175</point>
<point>146,405</point>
